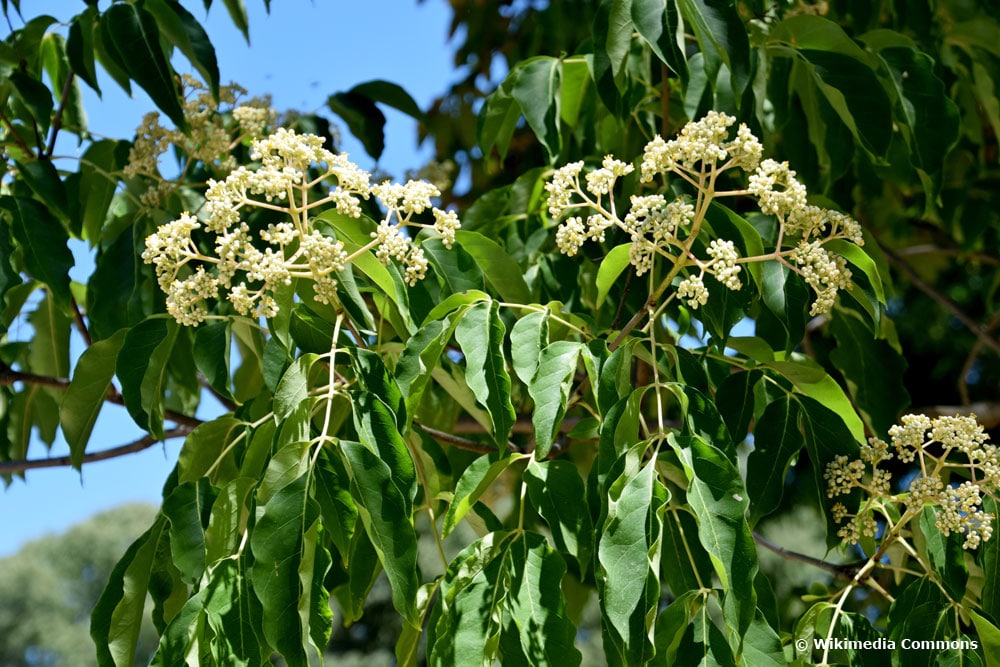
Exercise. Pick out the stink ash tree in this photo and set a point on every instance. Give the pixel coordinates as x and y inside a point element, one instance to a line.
<point>702,244</point>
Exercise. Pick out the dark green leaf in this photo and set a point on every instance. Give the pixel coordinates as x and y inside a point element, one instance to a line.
<point>776,440</point>
<point>457,269</point>
<point>528,337</point>
<point>480,334</point>
<point>132,40</point>
<point>719,500</point>
<point>35,96</point>
<point>204,448</point>
<point>556,490</point>
<point>185,508</point>
<point>390,94</point>
<point>686,565</point>
<point>134,359</point>
<point>735,400</point>
<point>212,344</point>
<point>536,90</point>
<point>377,429</point>
<point>945,553</point>
<point>499,269</point>
<point>383,512</point>
<point>288,556</point>
<point>549,389</point>
<point>185,32</point>
<point>97,185</point>
<point>473,483</point>
<point>44,180</point>
<point>657,22</point>
<point>719,30</point>
<point>43,241</point>
<point>498,118</point>
<point>365,120</point>
<point>87,392</point>
<point>117,616</point>
<point>238,13</point>
<point>80,47</point>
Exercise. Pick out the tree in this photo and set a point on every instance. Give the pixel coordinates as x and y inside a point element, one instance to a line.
<point>50,586</point>
<point>560,357</point>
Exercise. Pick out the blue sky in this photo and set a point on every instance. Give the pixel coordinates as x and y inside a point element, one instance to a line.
<point>300,54</point>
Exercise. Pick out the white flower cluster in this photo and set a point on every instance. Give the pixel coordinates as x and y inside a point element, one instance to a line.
<point>657,227</point>
<point>959,507</point>
<point>296,175</point>
<point>210,138</point>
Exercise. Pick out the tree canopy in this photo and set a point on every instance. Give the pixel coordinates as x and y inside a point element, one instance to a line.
<point>714,269</point>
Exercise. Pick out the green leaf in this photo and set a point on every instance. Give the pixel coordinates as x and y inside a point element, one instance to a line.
<point>612,266</point>
<point>549,389</point>
<point>735,400</point>
<point>365,120</point>
<point>528,337</point>
<point>557,492</point>
<point>212,345</point>
<point>842,73</point>
<point>117,616</point>
<point>44,180</point>
<point>456,268</point>
<point>377,429</point>
<point>184,31</point>
<point>719,30</point>
<point>293,387</point>
<point>474,482</point>
<point>97,185</point>
<point>945,553</point>
<point>811,380</point>
<point>501,599</point>
<point>627,567</point>
<point>776,440</point>
<point>480,334</point>
<point>658,23</point>
<point>35,96</point>
<point>931,116</point>
<point>873,370</point>
<point>390,94</point>
<point>134,358</point>
<point>718,499</point>
<point>9,277</point>
<point>131,38</point>
<point>988,558</point>
<point>80,47</point>
<point>686,565</point>
<point>287,557</point>
<point>204,447</point>
<point>612,42</point>
<point>184,507</point>
<point>500,270</point>
<point>153,388</point>
<point>238,14</point>
<point>536,90</point>
<point>87,393</point>
<point>827,436</point>
<point>43,241</point>
<point>388,524</point>
<point>989,638</point>
<point>498,118</point>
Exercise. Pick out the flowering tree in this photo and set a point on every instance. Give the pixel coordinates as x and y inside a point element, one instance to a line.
<point>599,377</point>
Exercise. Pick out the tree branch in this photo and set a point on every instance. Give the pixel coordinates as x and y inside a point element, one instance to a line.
<point>57,119</point>
<point>9,376</point>
<point>463,443</point>
<point>846,571</point>
<point>979,330</point>
<point>145,442</point>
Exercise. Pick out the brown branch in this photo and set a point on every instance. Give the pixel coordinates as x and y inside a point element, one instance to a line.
<point>9,376</point>
<point>463,443</point>
<point>57,119</point>
<point>81,324</point>
<point>979,330</point>
<point>846,571</point>
<point>145,442</point>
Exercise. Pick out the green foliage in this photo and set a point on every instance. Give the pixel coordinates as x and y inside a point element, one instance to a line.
<point>604,383</point>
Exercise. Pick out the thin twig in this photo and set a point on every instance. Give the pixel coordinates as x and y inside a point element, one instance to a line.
<point>57,119</point>
<point>846,571</point>
<point>977,329</point>
<point>145,442</point>
<point>9,376</point>
<point>81,324</point>
<point>463,443</point>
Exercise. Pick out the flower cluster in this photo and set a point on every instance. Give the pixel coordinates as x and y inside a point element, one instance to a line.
<point>585,204</point>
<point>944,447</point>
<point>295,177</point>
<point>211,136</point>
